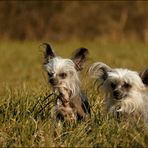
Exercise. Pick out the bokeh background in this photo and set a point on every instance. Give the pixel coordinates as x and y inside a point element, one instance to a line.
<point>67,20</point>
<point>115,32</point>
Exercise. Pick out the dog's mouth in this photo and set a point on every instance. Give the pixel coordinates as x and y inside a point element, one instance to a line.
<point>120,97</point>
<point>54,86</point>
<point>61,92</point>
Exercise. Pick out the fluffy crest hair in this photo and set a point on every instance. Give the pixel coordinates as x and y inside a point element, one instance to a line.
<point>127,76</point>
<point>99,70</point>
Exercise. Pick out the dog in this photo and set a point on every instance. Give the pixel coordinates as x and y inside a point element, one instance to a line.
<point>71,103</point>
<point>126,91</point>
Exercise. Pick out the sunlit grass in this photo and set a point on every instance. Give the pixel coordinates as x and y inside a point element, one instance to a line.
<point>23,82</point>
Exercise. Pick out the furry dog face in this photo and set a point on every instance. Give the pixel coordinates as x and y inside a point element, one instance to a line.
<point>125,90</point>
<point>63,73</point>
<point>63,77</point>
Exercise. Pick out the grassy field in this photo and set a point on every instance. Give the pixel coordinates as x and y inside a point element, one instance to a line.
<point>23,83</point>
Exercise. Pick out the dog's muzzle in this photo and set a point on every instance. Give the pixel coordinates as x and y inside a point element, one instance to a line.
<point>118,94</point>
<point>53,81</point>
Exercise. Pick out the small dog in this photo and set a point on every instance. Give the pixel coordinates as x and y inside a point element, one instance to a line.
<point>71,103</point>
<point>125,90</point>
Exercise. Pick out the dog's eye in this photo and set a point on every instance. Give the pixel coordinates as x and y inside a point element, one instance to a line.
<point>113,85</point>
<point>126,85</point>
<point>63,75</point>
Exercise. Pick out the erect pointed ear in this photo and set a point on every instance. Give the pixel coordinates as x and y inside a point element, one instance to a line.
<point>79,58</point>
<point>144,76</point>
<point>99,70</point>
<point>49,53</point>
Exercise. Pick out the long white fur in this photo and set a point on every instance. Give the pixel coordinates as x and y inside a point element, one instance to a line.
<point>137,99</point>
<point>134,101</point>
<point>58,65</point>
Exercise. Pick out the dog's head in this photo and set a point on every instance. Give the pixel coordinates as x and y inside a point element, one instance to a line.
<point>119,83</point>
<point>63,73</point>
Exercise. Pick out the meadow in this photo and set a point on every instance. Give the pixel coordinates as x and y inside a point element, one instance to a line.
<point>26,115</point>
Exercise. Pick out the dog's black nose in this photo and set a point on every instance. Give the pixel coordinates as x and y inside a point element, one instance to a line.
<point>117,94</point>
<point>53,81</point>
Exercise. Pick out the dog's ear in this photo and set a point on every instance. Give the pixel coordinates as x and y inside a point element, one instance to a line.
<point>144,76</point>
<point>99,70</point>
<point>79,58</point>
<point>49,53</point>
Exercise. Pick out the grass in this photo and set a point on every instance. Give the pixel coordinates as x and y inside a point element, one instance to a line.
<point>23,82</point>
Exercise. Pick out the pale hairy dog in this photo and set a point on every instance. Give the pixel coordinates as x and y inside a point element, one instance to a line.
<point>70,103</point>
<point>125,90</point>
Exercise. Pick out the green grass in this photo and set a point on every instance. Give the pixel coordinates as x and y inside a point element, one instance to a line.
<point>23,82</point>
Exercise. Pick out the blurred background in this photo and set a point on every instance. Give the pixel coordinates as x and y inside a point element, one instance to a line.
<point>74,20</point>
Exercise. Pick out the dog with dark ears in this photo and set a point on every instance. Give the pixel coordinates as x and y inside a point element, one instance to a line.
<point>71,103</point>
